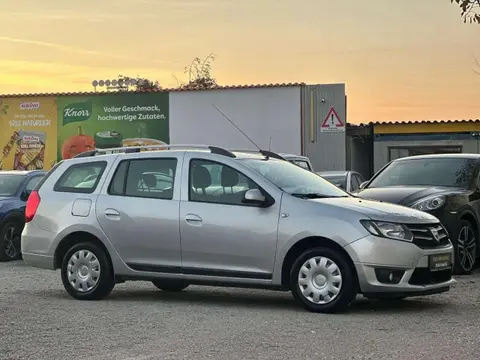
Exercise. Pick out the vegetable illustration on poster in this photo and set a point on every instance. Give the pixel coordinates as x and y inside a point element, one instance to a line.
<point>108,121</point>
<point>28,133</point>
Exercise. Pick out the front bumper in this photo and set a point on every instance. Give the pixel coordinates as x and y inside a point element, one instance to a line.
<point>373,256</point>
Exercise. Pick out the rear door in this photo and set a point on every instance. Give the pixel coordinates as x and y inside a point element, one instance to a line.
<point>138,211</point>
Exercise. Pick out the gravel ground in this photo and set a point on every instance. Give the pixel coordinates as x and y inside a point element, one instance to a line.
<point>138,322</point>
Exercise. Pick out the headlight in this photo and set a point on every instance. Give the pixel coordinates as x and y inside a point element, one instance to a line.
<point>388,230</point>
<point>429,203</point>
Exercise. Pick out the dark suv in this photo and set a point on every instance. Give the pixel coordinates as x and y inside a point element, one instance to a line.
<point>445,185</point>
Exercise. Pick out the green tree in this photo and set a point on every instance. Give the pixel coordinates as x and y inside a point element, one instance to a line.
<point>138,83</point>
<point>470,10</point>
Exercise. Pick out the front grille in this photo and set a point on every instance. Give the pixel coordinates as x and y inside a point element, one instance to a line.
<point>429,236</point>
<point>423,276</point>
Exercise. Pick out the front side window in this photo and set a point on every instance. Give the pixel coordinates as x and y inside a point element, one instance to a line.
<point>147,178</point>
<point>9,184</point>
<point>293,179</point>
<point>355,182</point>
<point>81,178</point>
<point>214,182</point>
<point>449,172</point>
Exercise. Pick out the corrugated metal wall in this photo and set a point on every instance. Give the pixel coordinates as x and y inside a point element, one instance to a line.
<point>327,151</point>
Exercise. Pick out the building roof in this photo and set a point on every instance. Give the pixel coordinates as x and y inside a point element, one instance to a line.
<point>421,122</point>
<point>94,93</point>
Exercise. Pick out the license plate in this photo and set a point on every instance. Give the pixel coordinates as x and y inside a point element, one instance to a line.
<point>440,262</point>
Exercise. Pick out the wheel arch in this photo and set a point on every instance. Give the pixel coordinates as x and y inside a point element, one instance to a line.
<point>15,217</point>
<point>74,238</point>
<point>469,216</point>
<point>308,243</point>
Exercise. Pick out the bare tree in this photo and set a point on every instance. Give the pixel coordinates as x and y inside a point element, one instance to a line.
<point>200,73</point>
<point>199,77</point>
<point>470,10</point>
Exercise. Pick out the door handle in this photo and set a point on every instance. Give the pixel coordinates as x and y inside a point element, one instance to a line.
<point>112,213</point>
<point>193,219</point>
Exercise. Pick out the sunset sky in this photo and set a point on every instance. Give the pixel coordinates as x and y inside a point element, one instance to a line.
<point>400,60</point>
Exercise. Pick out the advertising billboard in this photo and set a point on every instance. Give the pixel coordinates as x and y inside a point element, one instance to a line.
<point>108,121</point>
<point>28,133</point>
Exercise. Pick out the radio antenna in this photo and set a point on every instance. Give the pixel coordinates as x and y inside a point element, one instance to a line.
<point>231,122</point>
<point>270,144</point>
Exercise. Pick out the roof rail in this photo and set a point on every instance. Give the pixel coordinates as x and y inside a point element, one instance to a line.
<point>133,149</point>
<point>266,153</point>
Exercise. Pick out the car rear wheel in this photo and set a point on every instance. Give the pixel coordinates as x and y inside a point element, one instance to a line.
<point>465,243</point>
<point>10,241</point>
<point>87,272</point>
<point>322,281</point>
<point>170,286</point>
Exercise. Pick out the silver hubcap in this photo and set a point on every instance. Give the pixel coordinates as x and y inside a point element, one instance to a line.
<point>83,271</point>
<point>466,248</point>
<point>10,239</point>
<point>320,280</point>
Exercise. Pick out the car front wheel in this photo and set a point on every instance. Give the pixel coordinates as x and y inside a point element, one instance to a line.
<point>465,242</point>
<point>322,280</point>
<point>87,272</point>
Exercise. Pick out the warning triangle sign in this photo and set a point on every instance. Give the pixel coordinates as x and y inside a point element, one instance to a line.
<point>332,122</point>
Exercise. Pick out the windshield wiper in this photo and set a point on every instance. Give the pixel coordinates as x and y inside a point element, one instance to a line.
<point>315,196</point>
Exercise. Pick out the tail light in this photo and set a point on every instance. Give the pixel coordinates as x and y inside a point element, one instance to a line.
<point>32,205</point>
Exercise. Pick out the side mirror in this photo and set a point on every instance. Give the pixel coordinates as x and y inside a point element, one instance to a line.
<point>363,184</point>
<point>254,196</point>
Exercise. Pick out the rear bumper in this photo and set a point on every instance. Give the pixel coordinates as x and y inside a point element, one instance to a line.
<point>37,247</point>
<point>40,261</point>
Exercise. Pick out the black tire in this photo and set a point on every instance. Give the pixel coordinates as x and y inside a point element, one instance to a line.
<point>106,280</point>
<point>10,235</point>
<point>348,290</point>
<point>461,267</point>
<point>170,285</point>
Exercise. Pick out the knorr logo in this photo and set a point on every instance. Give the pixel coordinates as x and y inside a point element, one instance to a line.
<point>77,112</point>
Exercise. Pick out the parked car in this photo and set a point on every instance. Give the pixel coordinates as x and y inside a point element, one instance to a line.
<point>346,180</point>
<point>299,160</point>
<point>227,219</point>
<point>15,186</point>
<point>444,185</point>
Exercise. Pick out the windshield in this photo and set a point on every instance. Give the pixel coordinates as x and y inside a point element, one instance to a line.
<point>294,179</point>
<point>9,184</point>
<point>337,180</point>
<point>449,172</point>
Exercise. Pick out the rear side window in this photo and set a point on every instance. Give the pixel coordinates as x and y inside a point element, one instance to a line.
<point>47,175</point>
<point>81,178</point>
<point>146,178</point>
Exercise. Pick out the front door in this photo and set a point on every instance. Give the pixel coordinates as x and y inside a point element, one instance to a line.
<point>139,213</point>
<point>222,236</point>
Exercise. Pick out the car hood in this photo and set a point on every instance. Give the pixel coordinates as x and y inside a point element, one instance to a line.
<point>6,198</point>
<point>404,195</point>
<point>380,211</point>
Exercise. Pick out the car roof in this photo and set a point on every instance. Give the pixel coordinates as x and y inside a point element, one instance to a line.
<point>332,173</point>
<point>441,156</point>
<point>21,172</point>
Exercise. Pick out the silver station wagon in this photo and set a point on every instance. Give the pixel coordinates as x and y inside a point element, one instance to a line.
<point>203,215</point>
